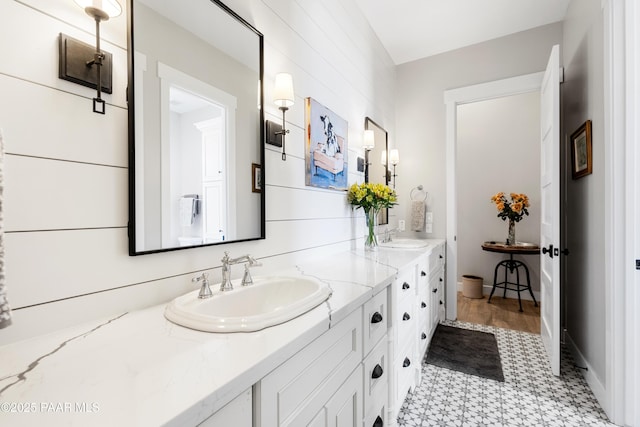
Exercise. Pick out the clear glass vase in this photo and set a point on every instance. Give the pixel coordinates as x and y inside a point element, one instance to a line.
<point>511,238</point>
<point>370,241</point>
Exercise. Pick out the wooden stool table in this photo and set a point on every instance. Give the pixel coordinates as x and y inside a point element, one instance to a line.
<point>511,265</point>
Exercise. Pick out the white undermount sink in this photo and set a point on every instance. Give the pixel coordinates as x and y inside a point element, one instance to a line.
<point>403,243</point>
<point>268,302</point>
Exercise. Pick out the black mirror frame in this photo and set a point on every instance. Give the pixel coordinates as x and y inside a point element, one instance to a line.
<point>131,226</point>
<point>368,121</point>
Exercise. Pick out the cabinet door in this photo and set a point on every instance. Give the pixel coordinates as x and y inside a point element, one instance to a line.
<point>344,409</point>
<point>294,393</point>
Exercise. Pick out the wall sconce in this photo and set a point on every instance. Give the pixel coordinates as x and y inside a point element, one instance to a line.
<point>283,98</point>
<point>394,159</point>
<point>77,59</point>
<point>369,142</point>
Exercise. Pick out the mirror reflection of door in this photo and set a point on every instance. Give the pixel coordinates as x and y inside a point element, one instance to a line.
<point>197,147</point>
<point>212,179</point>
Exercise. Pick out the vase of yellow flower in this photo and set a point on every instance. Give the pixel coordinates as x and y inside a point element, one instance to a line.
<point>512,210</point>
<point>371,198</point>
<point>370,241</point>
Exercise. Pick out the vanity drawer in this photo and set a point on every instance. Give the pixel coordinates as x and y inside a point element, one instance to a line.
<point>423,272</point>
<point>405,322</point>
<point>406,283</point>
<point>376,417</point>
<point>436,258</point>
<point>376,320</point>
<point>376,376</point>
<point>405,365</point>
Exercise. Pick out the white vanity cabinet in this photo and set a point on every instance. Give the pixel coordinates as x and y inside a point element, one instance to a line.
<point>423,309</point>
<point>423,306</point>
<point>403,348</point>
<point>417,306</point>
<point>376,366</point>
<point>339,380</point>
<point>437,286</point>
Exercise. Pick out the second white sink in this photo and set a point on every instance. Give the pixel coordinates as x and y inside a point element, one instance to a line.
<point>268,302</point>
<point>402,243</point>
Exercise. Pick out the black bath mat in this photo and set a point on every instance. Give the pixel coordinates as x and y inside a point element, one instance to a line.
<point>463,350</point>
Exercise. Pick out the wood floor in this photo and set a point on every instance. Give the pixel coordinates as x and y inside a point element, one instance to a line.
<point>502,312</point>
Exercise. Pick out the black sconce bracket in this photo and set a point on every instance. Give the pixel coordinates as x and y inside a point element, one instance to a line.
<point>273,133</point>
<point>76,64</point>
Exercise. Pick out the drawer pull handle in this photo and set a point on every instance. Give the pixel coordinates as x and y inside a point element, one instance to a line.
<point>406,362</point>
<point>440,256</point>
<point>441,302</point>
<point>376,318</point>
<point>377,372</point>
<point>422,273</point>
<point>405,286</point>
<point>440,279</point>
<point>423,336</point>
<point>434,290</point>
<point>423,304</point>
<point>406,316</point>
<point>378,422</point>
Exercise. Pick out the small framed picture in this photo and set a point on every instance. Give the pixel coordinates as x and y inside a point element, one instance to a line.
<point>256,178</point>
<point>581,157</point>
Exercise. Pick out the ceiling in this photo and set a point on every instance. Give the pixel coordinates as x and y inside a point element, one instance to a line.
<point>414,29</point>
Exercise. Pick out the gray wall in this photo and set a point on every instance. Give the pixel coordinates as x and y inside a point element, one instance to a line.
<point>583,98</point>
<point>498,149</point>
<point>421,118</point>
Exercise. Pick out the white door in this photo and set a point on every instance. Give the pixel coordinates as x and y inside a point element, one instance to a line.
<point>550,209</point>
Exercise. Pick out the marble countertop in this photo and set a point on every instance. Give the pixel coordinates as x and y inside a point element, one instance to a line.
<point>140,369</point>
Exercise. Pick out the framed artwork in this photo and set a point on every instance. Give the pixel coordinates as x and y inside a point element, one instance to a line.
<point>326,154</point>
<point>581,157</point>
<point>256,178</point>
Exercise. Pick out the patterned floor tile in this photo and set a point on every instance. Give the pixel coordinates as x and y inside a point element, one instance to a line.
<point>530,395</point>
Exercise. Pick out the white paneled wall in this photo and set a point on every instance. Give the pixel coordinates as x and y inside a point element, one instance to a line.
<point>66,190</point>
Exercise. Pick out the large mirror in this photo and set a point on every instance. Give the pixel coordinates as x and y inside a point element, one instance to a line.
<point>378,159</point>
<point>195,126</point>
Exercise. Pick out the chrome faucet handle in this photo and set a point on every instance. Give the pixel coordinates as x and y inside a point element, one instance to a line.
<point>205,290</point>
<point>246,279</point>
<point>226,284</point>
<point>253,262</point>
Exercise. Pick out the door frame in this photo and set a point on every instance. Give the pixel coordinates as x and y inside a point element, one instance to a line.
<point>622,192</point>
<point>452,98</point>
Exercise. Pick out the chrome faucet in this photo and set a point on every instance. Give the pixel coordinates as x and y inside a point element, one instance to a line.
<point>205,290</point>
<point>388,233</point>
<point>226,270</point>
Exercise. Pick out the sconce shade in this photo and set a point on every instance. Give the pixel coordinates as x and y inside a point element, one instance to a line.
<point>102,9</point>
<point>283,90</point>
<point>394,156</point>
<point>369,140</point>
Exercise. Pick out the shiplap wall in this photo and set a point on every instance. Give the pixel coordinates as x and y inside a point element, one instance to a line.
<point>66,173</point>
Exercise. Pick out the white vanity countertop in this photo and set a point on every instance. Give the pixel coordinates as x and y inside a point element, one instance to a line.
<point>140,369</point>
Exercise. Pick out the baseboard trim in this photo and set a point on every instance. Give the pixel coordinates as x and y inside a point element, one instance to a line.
<point>486,291</point>
<point>598,388</point>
